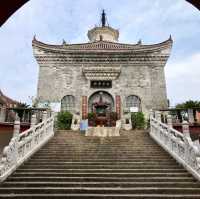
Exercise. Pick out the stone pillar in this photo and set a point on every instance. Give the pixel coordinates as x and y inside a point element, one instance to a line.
<point>158,116</point>
<point>169,121</point>
<point>16,127</point>
<point>151,114</point>
<point>190,116</point>
<point>44,116</point>
<point>33,120</point>
<point>186,128</point>
<point>198,116</point>
<point>118,106</point>
<point>84,107</point>
<point>3,114</point>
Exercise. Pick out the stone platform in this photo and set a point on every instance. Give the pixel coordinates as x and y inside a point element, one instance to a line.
<point>104,131</point>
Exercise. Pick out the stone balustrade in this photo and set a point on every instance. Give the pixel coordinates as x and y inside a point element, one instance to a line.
<point>179,145</point>
<point>25,144</point>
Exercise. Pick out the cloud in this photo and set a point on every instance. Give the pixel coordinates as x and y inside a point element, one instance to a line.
<point>183,79</point>
<point>152,21</point>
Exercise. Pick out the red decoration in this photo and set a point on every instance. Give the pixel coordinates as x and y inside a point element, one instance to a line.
<point>84,107</point>
<point>118,106</point>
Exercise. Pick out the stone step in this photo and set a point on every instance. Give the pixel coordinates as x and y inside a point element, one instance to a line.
<point>98,190</point>
<point>102,159</point>
<point>102,170</point>
<point>101,179</point>
<point>102,174</point>
<point>101,184</point>
<point>97,162</point>
<point>99,166</point>
<point>105,196</point>
<point>102,196</point>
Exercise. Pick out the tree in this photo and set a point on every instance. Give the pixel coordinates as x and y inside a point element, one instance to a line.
<point>189,104</point>
<point>20,109</point>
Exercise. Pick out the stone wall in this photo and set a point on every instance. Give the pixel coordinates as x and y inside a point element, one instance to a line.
<point>142,74</point>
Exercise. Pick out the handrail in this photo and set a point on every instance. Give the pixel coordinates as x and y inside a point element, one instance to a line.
<point>179,145</point>
<point>25,144</point>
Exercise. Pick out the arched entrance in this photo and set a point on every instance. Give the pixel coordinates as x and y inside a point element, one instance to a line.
<point>101,106</point>
<point>101,102</point>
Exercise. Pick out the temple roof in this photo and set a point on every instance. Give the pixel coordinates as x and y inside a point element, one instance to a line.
<point>103,46</point>
<point>6,100</point>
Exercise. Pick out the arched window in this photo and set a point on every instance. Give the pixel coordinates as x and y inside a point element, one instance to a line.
<point>68,103</point>
<point>133,101</point>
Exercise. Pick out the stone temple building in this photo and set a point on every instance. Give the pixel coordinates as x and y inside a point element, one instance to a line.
<point>102,75</point>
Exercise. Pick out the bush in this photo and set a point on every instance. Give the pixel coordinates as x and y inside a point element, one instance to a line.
<point>91,119</point>
<point>91,116</point>
<point>64,120</point>
<point>138,120</point>
<point>113,116</point>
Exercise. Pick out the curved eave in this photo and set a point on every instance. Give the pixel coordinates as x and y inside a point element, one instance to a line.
<point>102,46</point>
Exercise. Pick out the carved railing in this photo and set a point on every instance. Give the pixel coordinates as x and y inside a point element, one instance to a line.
<point>179,145</point>
<point>25,144</point>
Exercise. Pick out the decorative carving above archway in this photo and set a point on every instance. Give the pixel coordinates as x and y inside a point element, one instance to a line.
<point>101,72</point>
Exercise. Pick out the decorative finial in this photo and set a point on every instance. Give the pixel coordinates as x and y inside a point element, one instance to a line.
<point>170,37</point>
<point>103,18</point>
<point>34,37</point>
<point>139,42</point>
<point>64,42</point>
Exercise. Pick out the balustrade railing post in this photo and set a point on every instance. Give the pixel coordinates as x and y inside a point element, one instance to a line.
<point>187,140</point>
<point>44,119</point>
<point>169,121</point>
<point>151,114</point>
<point>191,116</point>
<point>33,120</point>
<point>158,116</point>
<point>44,116</point>
<point>16,127</point>
<point>186,129</point>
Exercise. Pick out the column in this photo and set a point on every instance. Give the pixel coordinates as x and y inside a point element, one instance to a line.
<point>191,116</point>
<point>2,114</point>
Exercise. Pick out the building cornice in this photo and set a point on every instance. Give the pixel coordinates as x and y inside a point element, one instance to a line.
<point>103,46</point>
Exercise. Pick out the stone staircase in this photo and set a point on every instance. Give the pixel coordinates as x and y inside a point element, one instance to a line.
<point>74,166</point>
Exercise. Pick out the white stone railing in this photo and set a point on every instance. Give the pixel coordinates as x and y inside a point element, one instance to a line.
<point>25,144</point>
<point>179,145</point>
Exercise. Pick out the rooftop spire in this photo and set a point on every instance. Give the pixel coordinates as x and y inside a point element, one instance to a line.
<point>103,18</point>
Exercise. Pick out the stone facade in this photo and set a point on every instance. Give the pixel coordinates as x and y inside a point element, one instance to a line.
<point>132,69</point>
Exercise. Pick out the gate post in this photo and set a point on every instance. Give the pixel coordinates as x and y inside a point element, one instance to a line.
<point>118,106</point>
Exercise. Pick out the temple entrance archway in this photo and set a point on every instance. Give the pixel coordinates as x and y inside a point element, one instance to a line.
<point>101,102</point>
<point>101,105</point>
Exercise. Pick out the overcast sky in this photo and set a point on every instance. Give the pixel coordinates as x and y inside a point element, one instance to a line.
<point>150,20</point>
